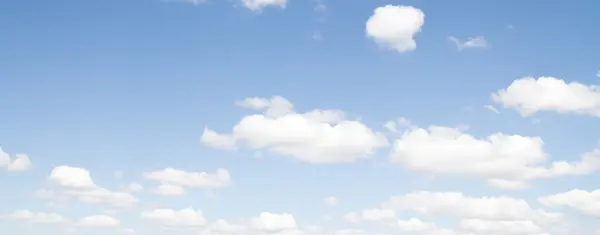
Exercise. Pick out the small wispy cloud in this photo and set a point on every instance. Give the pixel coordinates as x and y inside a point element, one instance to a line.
<point>491,108</point>
<point>598,74</point>
<point>473,42</point>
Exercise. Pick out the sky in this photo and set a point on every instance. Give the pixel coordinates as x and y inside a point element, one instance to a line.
<point>299,117</point>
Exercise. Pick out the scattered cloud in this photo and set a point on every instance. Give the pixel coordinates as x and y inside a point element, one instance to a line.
<point>491,108</point>
<point>474,42</point>
<point>260,5</point>
<point>395,27</point>
<point>529,96</point>
<point>317,136</point>
<point>20,162</point>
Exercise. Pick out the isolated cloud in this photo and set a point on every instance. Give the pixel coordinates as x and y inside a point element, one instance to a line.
<point>395,27</point>
<point>75,182</point>
<point>474,42</point>
<point>317,136</point>
<point>20,162</point>
<point>174,181</point>
<point>529,95</point>
<point>259,5</point>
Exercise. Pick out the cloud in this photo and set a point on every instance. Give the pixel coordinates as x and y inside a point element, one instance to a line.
<point>331,201</point>
<point>584,202</point>
<point>274,223</point>
<point>172,181</point>
<point>36,217</point>
<point>506,161</point>
<point>20,162</point>
<point>475,42</point>
<point>317,136</point>
<point>394,27</point>
<point>177,219</point>
<point>259,5</point>
<point>74,182</point>
<point>97,221</point>
<point>529,96</point>
<point>491,108</point>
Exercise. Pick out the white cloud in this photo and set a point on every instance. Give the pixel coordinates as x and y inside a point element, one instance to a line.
<point>458,205</point>
<point>169,190</point>
<point>584,202</point>
<point>259,5</point>
<point>331,201</point>
<point>77,182</point>
<point>415,225</point>
<point>474,42</point>
<point>274,223</point>
<point>173,180</point>
<point>97,221</point>
<point>36,217</point>
<point>491,108</point>
<point>135,187</point>
<point>178,219</point>
<point>317,136</point>
<point>394,27</point>
<point>506,161</point>
<point>20,162</point>
<point>529,96</point>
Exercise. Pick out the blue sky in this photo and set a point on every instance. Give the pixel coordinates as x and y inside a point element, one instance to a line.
<point>131,86</point>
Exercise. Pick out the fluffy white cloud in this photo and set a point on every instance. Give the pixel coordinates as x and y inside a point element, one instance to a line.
<point>274,223</point>
<point>98,221</point>
<point>507,161</point>
<point>177,219</point>
<point>259,5</point>
<point>172,181</point>
<point>475,42</point>
<point>529,96</point>
<point>395,27</point>
<point>20,162</point>
<point>317,136</point>
<point>584,202</point>
<point>458,205</point>
<point>36,217</point>
<point>331,201</point>
<point>77,182</point>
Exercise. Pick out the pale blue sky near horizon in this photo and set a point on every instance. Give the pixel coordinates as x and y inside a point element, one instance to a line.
<point>129,85</point>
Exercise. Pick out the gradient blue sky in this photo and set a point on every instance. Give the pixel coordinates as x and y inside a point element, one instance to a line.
<point>130,85</point>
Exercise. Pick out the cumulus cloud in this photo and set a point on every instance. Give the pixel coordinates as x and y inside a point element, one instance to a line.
<point>172,181</point>
<point>582,201</point>
<point>529,96</point>
<point>19,162</point>
<point>395,27</point>
<point>506,161</point>
<point>317,136</point>
<point>75,182</point>
<point>259,5</point>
